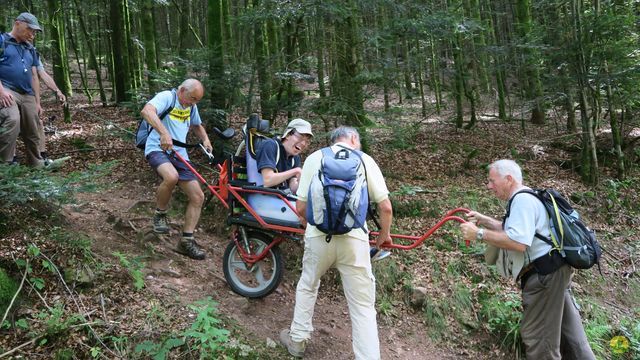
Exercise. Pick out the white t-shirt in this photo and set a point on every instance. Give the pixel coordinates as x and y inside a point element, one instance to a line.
<point>527,217</point>
<point>375,183</point>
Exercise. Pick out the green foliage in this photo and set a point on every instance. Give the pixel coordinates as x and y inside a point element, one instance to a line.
<point>502,313</point>
<point>8,288</point>
<point>134,267</point>
<point>403,137</point>
<point>29,193</point>
<point>205,331</point>
<point>159,351</point>
<point>56,320</point>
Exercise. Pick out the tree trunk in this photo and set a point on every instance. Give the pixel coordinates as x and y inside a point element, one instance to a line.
<point>119,52</point>
<point>93,63</point>
<point>60,58</point>
<point>216,60</point>
<point>149,38</point>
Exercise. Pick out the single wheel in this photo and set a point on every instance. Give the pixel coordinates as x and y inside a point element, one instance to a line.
<point>259,279</point>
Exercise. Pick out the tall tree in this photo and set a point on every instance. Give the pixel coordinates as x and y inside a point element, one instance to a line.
<point>216,59</point>
<point>119,52</point>
<point>59,53</point>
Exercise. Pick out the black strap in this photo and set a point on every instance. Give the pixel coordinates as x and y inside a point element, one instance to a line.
<point>369,211</point>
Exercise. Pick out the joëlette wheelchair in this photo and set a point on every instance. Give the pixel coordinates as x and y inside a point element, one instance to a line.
<point>261,218</point>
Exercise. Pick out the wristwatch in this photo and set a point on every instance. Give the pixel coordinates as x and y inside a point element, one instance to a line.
<point>480,234</point>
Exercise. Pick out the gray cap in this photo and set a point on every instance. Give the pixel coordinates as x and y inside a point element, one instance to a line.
<point>30,20</point>
<point>300,126</point>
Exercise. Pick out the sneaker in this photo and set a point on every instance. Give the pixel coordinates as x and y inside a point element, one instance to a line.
<point>189,247</point>
<point>160,223</point>
<point>55,163</point>
<point>295,348</point>
<point>378,254</point>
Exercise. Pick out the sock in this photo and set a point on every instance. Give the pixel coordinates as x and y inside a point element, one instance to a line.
<point>187,234</point>
<point>44,155</point>
<point>160,212</point>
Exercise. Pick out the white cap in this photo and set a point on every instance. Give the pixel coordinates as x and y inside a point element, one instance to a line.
<point>299,125</point>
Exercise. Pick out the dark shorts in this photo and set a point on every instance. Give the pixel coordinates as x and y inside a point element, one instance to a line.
<point>157,158</point>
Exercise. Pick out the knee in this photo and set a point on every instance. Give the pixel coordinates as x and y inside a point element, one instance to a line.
<point>197,198</point>
<point>170,180</point>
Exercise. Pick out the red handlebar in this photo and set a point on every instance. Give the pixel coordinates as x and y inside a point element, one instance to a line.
<point>418,240</point>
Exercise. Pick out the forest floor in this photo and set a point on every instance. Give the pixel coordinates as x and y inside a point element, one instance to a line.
<point>431,157</point>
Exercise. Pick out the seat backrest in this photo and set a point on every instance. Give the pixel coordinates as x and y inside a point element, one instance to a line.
<point>254,133</point>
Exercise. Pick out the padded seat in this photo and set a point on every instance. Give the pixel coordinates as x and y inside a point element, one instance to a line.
<point>247,219</point>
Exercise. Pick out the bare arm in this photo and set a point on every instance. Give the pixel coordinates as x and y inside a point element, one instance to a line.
<point>272,178</point>
<point>201,133</point>
<point>497,238</point>
<point>51,84</point>
<point>301,208</point>
<point>6,98</point>
<point>149,113</point>
<point>386,215</point>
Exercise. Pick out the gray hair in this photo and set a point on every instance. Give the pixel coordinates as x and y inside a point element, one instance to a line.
<point>190,84</point>
<point>343,132</point>
<point>506,167</point>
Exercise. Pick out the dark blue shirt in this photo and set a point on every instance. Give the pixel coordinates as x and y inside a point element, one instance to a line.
<point>266,159</point>
<point>16,62</point>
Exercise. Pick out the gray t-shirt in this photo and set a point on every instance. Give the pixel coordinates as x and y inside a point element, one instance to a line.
<point>527,217</point>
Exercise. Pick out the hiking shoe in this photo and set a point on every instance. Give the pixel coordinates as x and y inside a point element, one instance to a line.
<point>378,254</point>
<point>295,348</point>
<point>55,163</point>
<point>189,247</point>
<point>160,223</point>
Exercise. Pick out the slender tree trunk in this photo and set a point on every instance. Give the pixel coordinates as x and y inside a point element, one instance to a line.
<point>119,53</point>
<point>59,54</point>
<point>261,63</point>
<point>216,60</point>
<point>149,38</point>
<point>93,63</point>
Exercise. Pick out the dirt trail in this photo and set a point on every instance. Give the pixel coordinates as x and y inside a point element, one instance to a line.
<point>169,275</point>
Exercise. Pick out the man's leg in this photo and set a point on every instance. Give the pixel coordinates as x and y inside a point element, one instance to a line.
<point>359,286</point>
<point>9,129</point>
<point>169,176</point>
<point>318,257</point>
<point>29,121</point>
<point>573,344</point>
<point>543,300</point>
<point>194,207</point>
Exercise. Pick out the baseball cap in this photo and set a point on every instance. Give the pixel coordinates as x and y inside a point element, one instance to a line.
<point>30,20</point>
<point>299,125</point>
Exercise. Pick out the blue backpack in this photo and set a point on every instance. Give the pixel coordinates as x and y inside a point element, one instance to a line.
<point>144,128</point>
<point>338,195</point>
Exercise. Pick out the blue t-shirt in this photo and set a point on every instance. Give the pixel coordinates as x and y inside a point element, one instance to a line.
<point>177,122</point>
<point>16,62</point>
<point>266,159</point>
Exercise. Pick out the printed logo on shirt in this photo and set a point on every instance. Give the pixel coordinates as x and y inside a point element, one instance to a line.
<point>180,114</point>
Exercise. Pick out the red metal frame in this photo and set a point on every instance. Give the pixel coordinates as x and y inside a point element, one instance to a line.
<point>223,189</point>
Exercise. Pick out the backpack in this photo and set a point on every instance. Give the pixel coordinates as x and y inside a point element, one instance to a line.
<point>144,128</point>
<point>569,235</point>
<point>338,195</point>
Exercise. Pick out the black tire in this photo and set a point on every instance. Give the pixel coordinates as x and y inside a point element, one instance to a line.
<point>263,277</point>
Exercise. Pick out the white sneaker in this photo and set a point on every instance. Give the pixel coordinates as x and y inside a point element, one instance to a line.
<point>378,254</point>
<point>56,163</point>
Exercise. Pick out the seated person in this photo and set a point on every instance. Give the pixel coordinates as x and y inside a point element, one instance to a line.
<point>279,166</point>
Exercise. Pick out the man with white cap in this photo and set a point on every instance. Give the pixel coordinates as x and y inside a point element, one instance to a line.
<point>19,105</point>
<point>279,160</point>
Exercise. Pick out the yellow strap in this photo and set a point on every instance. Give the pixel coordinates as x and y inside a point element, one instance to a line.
<point>559,222</point>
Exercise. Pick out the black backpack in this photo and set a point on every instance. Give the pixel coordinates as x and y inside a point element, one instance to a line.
<point>144,128</point>
<point>569,235</point>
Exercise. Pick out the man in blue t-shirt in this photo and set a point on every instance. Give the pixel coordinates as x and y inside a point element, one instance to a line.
<point>19,106</point>
<point>278,160</point>
<point>175,125</point>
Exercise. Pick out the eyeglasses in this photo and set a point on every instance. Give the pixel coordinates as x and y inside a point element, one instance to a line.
<point>302,139</point>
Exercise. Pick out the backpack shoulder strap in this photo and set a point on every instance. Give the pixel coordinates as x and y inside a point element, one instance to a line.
<point>173,104</point>
<point>537,194</point>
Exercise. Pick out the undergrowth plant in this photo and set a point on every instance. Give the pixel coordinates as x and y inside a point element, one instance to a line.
<point>134,267</point>
<point>501,312</point>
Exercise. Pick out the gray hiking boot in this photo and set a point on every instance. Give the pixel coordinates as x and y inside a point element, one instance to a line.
<point>160,223</point>
<point>189,247</point>
<point>55,163</point>
<point>295,348</point>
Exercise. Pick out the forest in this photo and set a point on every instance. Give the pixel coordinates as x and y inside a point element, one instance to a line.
<point>438,90</point>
